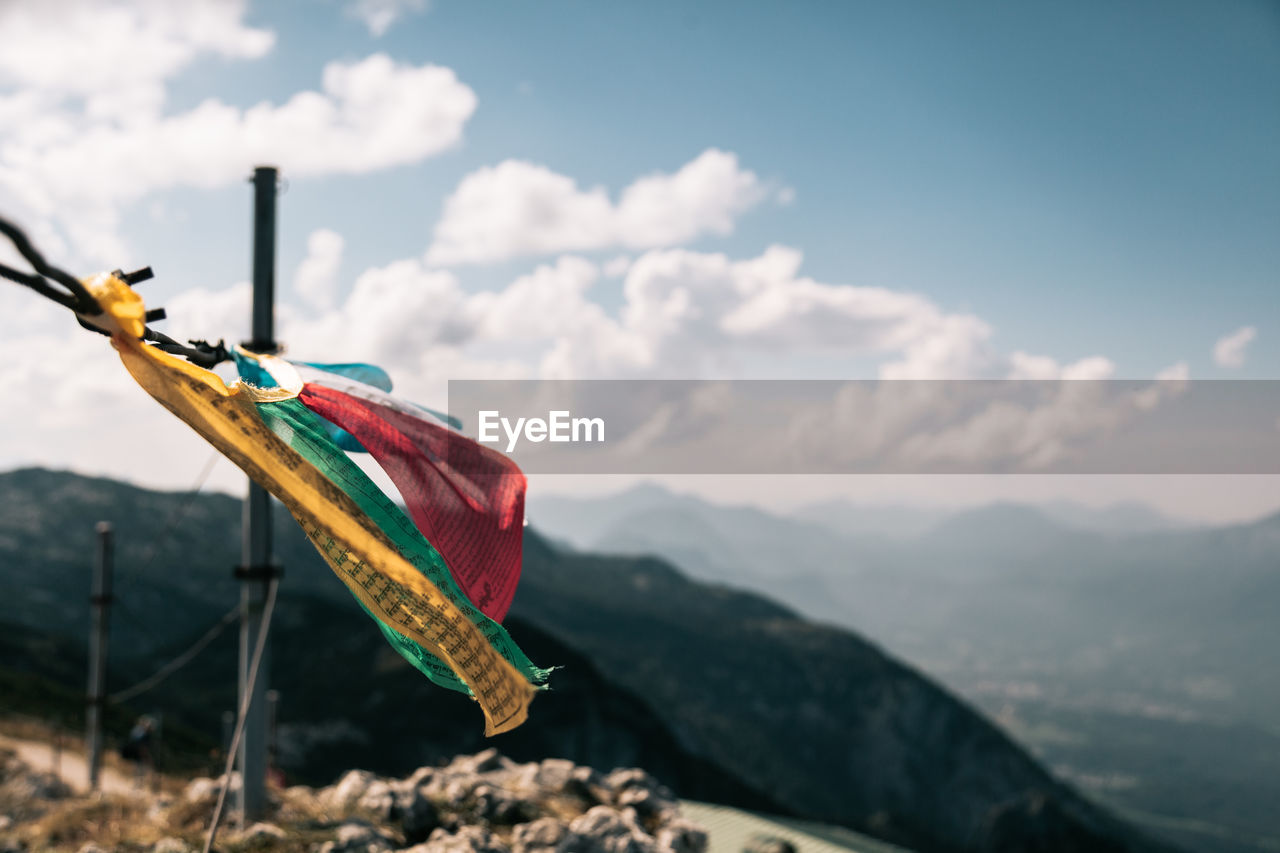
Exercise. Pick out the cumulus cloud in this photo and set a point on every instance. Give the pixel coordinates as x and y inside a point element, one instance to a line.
<point>379,15</point>
<point>684,314</point>
<point>83,130</point>
<point>372,114</point>
<point>520,208</point>
<point>1229,351</point>
<point>95,49</point>
<point>1178,372</point>
<point>617,267</point>
<point>1025,366</point>
<point>316,280</point>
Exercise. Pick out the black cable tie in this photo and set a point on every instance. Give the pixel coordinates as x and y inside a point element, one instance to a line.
<point>137,276</point>
<point>267,572</point>
<point>91,327</point>
<point>86,307</point>
<point>262,347</point>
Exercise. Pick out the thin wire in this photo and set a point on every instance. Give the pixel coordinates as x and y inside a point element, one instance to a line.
<point>171,523</point>
<point>177,663</point>
<point>256,661</point>
<point>176,516</point>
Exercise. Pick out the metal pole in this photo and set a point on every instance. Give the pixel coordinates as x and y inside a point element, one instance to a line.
<point>273,715</point>
<point>256,569</point>
<point>100,599</point>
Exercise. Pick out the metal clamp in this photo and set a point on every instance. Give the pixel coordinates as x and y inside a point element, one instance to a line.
<point>265,573</point>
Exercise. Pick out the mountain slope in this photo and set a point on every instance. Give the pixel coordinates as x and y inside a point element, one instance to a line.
<point>705,685</point>
<point>1115,656</point>
<point>837,731</point>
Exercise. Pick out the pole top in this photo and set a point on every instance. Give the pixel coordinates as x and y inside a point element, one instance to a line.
<point>103,527</point>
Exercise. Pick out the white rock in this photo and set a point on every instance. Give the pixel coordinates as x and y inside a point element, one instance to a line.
<point>204,788</point>
<point>682,836</point>
<point>357,838</point>
<point>554,774</point>
<point>541,836</point>
<point>468,839</point>
<point>348,790</point>
<point>261,831</point>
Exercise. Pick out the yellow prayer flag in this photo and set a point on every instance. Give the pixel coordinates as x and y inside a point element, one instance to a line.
<point>353,545</point>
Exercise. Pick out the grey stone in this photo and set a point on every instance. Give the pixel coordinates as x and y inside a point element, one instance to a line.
<point>378,798</point>
<point>541,836</point>
<point>523,778</point>
<point>643,801</point>
<point>421,776</point>
<point>357,837</point>
<point>589,785</point>
<point>554,774</point>
<point>204,788</point>
<point>606,830</point>
<point>679,835</point>
<point>418,816</point>
<point>261,831</point>
<point>633,777</point>
<point>491,804</point>
<point>454,791</point>
<point>38,786</point>
<point>348,790</point>
<point>482,762</point>
<point>170,845</point>
<point>468,839</point>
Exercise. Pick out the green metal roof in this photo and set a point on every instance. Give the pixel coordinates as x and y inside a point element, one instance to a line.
<point>731,830</point>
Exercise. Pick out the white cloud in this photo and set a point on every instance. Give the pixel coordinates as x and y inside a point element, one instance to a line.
<point>91,48</point>
<point>201,313</point>
<point>684,314</point>
<point>379,15</point>
<point>617,267</point>
<point>372,114</point>
<point>83,132</point>
<point>519,208</point>
<point>1229,351</point>
<point>316,280</point>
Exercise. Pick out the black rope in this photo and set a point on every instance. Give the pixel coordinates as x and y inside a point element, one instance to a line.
<point>178,662</point>
<point>176,515</point>
<point>255,663</point>
<point>42,281</point>
<point>38,284</point>
<point>78,300</point>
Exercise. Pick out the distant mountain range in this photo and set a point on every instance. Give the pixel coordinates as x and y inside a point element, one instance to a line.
<point>1114,644</point>
<point>724,694</point>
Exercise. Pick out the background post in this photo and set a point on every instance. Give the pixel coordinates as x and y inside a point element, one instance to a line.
<point>100,600</point>
<point>256,570</point>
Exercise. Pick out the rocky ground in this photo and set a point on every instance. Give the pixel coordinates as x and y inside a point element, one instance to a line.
<point>482,803</point>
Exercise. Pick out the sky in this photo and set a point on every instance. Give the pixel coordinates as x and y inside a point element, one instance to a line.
<point>621,190</point>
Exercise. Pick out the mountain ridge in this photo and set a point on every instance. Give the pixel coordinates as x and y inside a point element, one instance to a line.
<point>815,719</point>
